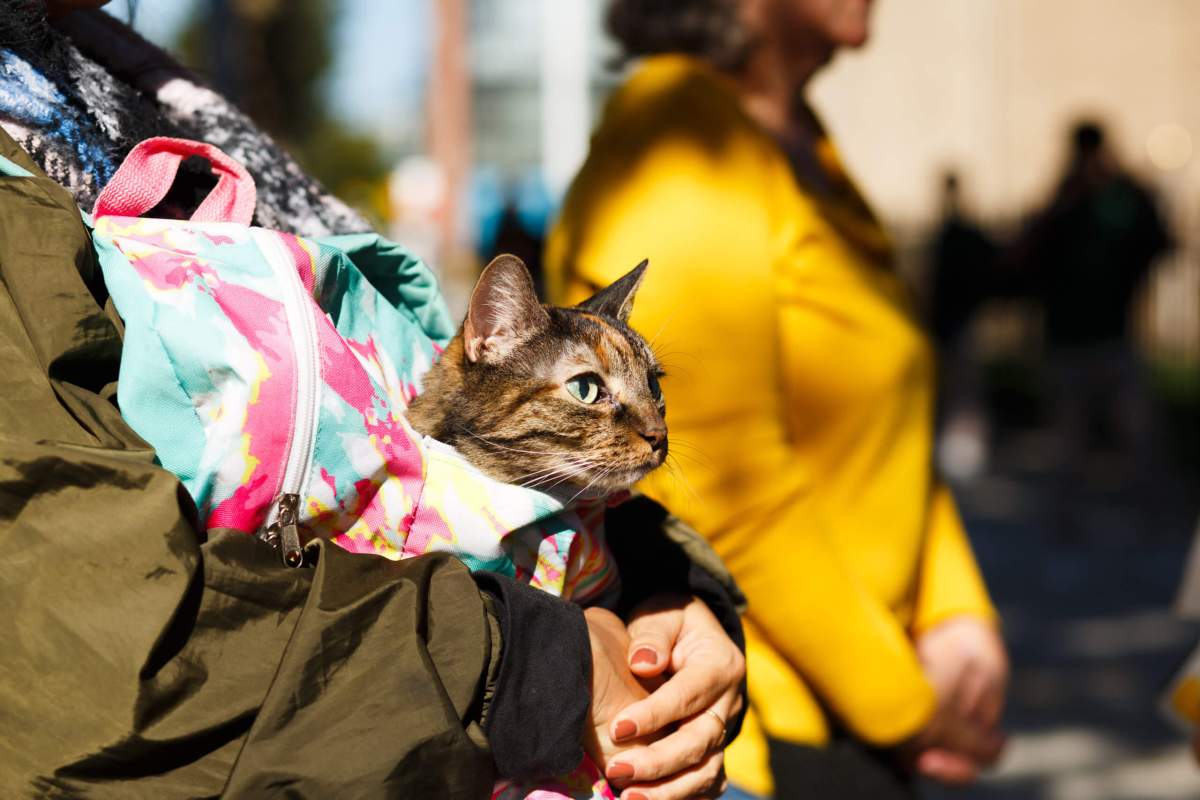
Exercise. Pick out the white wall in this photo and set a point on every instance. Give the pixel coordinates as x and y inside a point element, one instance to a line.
<point>992,85</point>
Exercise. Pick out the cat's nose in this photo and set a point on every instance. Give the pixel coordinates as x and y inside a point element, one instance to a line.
<point>656,437</point>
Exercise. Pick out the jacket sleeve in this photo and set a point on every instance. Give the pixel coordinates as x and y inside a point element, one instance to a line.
<point>950,583</point>
<point>676,201</point>
<point>834,631</point>
<point>538,709</point>
<point>143,659</point>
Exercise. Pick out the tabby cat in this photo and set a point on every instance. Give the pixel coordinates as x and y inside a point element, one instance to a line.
<point>545,396</point>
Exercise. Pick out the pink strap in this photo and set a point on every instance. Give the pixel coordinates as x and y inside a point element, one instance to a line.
<point>147,173</point>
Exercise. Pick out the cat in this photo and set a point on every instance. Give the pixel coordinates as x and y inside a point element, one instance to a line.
<point>557,399</point>
<point>544,396</point>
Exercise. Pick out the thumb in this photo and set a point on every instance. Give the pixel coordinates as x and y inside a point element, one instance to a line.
<point>652,635</point>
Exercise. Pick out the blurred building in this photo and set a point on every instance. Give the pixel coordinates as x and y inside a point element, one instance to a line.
<point>505,85</point>
<point>538,74</point>
<point>533,75</point>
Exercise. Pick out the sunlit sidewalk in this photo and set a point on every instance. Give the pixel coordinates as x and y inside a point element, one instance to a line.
<point>1088,617</point>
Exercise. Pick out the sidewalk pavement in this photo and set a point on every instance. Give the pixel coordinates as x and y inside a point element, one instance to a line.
<point>1085,580</point>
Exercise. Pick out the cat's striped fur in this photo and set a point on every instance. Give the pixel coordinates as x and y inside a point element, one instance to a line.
<point>513,392</point>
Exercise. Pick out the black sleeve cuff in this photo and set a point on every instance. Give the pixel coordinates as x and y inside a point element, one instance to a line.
<point>536,718</point>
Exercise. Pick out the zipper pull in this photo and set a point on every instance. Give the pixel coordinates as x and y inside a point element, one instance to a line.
<point>285,533</point>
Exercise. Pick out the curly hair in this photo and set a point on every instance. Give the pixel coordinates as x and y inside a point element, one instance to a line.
<point>707,29</point>
<point>23,23</point>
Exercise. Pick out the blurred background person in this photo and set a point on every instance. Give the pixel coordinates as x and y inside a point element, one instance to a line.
<point>513,219</point>
<point>963,260</point>
<point>1088,253</point>
<point>801,392</point>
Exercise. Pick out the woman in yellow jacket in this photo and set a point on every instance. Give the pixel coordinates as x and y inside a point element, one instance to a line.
<point>800,401</point>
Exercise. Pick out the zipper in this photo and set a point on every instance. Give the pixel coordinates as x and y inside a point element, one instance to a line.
<point>282,524</point>
<point>283,534</point>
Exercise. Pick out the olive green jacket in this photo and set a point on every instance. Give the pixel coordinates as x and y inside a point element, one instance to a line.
<point>142,659</point>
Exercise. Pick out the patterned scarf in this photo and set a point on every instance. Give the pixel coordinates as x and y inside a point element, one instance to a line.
<point>79,95</point>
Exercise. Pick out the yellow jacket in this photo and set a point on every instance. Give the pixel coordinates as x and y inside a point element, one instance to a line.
<point>799,397</point>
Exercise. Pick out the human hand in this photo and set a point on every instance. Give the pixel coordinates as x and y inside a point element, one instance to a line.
<point>614,686</point>
<point>964,659</point>
<point>680,636</point>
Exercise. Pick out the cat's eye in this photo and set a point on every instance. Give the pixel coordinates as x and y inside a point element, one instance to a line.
<point>655,388</point>
<point>585,388</point>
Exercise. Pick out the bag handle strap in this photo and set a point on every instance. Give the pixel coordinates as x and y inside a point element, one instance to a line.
<point>146,175</point>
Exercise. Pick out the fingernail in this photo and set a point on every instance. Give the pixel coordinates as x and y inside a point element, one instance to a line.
<point>625,729</point>
<point>619,771</point>
<point>645,655</point>
<point>633,796</point>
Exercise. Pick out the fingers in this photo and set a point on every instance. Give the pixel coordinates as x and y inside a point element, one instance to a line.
<point>960,748</point>
<point>653,633</point>
<point>971,696</point>
<point>979,696</point>
<point>982,746</point>
<point>685,694</point>
<point>947,767</point>
<point>689,746</point>
<point>994,748</point>
<point>986,681</point>
<point>992,706</point>
<point>705,780</point>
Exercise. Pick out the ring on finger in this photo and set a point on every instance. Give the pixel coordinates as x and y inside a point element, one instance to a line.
<point>720,721</point>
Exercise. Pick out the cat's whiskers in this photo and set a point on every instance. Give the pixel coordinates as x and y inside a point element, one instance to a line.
<point>681,478</point>
<point>554,480</point>
<point>574,464</point>
<point>678,457</point>
<point>557,473</point>
<point>600,476</point>
<point>584,470</point>
<point>572,461</point>
<point>692,452</point>
<point>548,474</point>
<point>654,339</point>
<point>576,470</point>
<point>499,446</point>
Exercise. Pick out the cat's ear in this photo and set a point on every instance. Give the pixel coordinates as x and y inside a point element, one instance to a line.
<point>616,299</point>
<point>504,310</point>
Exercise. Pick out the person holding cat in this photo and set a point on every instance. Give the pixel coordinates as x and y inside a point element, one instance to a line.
<point>801,389</point>
<point>151,657</point>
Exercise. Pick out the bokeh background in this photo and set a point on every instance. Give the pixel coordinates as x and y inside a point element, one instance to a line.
<point>457,125</point>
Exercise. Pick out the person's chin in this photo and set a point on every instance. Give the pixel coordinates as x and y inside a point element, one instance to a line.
<point>854,36</point>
